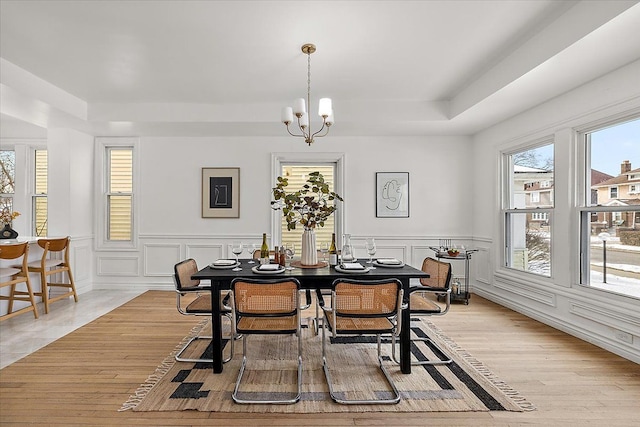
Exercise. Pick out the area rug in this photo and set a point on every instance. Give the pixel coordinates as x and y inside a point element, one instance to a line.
<point>463,385</point>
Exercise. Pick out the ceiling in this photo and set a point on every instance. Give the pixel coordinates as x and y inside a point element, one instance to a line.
<point>225,68</point>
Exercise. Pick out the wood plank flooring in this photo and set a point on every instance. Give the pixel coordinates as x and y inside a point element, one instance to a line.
<point>83,378</point>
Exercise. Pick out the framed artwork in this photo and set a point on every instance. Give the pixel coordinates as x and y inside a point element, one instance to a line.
<point>392,194</point>
<point>220,192</point>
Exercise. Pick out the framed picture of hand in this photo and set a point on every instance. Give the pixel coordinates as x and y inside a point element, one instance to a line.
<point>392,194</point>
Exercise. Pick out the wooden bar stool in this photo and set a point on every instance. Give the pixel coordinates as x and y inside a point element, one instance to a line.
<point>49,265</point>
<point>12,276</point>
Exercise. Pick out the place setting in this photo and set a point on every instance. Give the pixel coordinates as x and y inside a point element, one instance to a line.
<point>224,264</point>
<point>268,269</point>
<point>388,263</point>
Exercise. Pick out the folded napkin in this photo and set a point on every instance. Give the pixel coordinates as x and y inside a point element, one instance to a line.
<point>223,262</point>
<point>389,261</point>
<point>269,267</point>
<point>352,266</point>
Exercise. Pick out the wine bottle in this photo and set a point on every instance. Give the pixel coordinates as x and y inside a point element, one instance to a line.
<point>333,253</point>
<point>264,250</point>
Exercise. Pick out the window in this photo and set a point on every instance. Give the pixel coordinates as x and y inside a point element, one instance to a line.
<point>535,197</point>
<point>297,175</point>
<point>116,185</point>
<point>119,193</point>
<point>528,227</point>
<point>539,216</point>
<point>39,198</point>
<point>545,184</point>
<point>610,224</point>
<point>7,178</point>
<point>634,189</point>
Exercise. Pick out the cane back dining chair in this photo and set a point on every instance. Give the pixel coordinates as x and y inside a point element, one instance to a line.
<point>359,307</point>
<point>55,260</point>
<point>13,276</point>
<point>308,300</point>
<point>423,303</point>
<point>266,307</point>
<point>194,301</point>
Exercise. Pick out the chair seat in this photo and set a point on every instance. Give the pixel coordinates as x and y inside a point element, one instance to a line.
<point>274,325</point>
<point>422,304</point>
<point>347,325</point>
<point>48,263</point>
<point>9,271</point>
<point>202,305</point>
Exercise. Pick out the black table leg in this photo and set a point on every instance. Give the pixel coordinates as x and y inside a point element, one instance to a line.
<point>216,328</point>
<point>405,332</point>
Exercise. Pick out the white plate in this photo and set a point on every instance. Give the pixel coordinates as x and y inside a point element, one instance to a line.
<point>257,271</point>
<point>377,264</point>
<point>352,271</point>
<point>224,267</point>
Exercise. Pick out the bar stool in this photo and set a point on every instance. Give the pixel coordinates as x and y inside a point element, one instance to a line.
<point>49,265</point>
<point>12,276</point>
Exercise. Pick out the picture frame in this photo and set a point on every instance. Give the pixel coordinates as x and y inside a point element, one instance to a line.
<point>220,192</point>
<point>392,194</point>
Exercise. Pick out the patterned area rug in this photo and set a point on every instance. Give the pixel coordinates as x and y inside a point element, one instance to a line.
<point>463,385</point>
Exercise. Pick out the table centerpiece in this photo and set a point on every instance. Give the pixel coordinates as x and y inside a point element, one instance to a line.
<point>310,206</point>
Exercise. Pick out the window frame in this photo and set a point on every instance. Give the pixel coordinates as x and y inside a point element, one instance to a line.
<point>280,159</point>
<point>583,207</point>
<point>33,193</point>
<point>102,148</point>
<point>611,190</point>
<point>508,212</point>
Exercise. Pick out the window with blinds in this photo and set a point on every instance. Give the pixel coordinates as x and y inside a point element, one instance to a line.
<point>39,199</point>
<point>119,193</point>
<point>297,175</point>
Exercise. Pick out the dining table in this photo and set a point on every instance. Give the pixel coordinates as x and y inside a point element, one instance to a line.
<point>220,277</point>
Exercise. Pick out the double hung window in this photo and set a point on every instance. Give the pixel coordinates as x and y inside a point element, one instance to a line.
<point>609,207</point>
<point>528,208</point>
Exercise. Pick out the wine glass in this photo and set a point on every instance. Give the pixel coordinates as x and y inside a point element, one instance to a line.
<point>324,250</point>
<point>290,251</point>
<point>252,250</point>
<point>237,248</point>
<point>371,249</point>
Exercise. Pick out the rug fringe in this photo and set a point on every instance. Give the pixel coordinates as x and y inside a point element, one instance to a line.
<point>514,395</point>
<point>162,369</point>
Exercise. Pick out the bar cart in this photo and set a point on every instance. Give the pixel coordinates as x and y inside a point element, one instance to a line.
<point>458,292</point>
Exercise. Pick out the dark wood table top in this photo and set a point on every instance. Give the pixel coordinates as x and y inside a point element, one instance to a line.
<point>310,277</point>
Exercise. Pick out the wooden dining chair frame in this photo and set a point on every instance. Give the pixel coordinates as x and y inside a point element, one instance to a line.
<point>380,316</point>
<point>186,287</point>
<point>48,266</point>
<point>437,285</point>
<point>255,313</point>
<point>17,275</point>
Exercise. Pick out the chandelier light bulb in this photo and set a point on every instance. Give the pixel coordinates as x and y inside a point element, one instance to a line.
<point>287,115</point>
<point>324,107</point>
<point>299,107</point>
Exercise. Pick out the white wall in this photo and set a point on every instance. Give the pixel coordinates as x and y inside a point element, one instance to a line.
<point>171,227</point>
<point>70,198</point>
<point>593,315</point>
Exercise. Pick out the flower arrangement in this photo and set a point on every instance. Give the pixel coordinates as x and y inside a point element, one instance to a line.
<point>7,217</point>
<point>309,206</point>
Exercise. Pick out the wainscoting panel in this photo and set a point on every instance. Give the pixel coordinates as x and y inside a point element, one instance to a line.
<point>526,290</point>
<point>159,258</point>
<point>111,265</point>
<point>205,254</point>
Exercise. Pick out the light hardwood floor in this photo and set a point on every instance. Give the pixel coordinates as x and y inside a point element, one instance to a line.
<point>83,378</point>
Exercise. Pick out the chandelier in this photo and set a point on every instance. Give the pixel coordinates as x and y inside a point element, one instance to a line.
<point>299,108</point>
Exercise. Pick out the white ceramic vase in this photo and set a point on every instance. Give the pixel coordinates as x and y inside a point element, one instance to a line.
<point>309,254</point>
